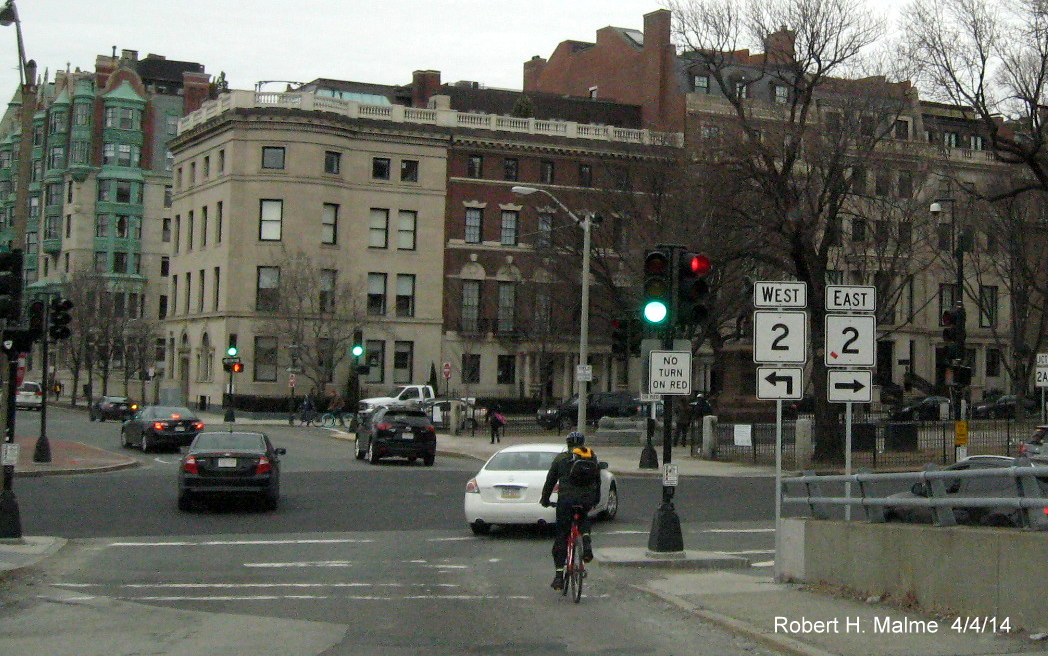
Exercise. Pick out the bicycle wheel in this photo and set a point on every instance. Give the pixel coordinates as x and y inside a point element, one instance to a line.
<point>567,567</point>
<point>327,420</point>
<point>577,572</point>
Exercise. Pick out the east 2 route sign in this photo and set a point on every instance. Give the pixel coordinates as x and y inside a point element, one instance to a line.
<point>669,372</point>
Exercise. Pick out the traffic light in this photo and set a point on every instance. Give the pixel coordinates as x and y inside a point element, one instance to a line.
<point>237,367</point>
<point>232,351</point>
<point>954,332</point>
<point>11,285</point>
<point>657,283</point>
<point>619,337</point>
<point>692,289</point>
<point>37,320</point>
<point>60,318</point>
<point>358,344</point>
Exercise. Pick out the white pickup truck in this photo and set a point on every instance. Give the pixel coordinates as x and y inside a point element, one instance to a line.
<point>416,395</point>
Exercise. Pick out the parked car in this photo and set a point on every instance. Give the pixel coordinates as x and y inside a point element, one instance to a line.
<point>156,426</point>
<point>996,486</point>
<point>30,396</point>
<point>112,407</point>
<point>1003,408</point>
<point>926,409</point>
<point>1034,447</point>
<point>230,463</point>
<point>601,404</point>
<point>397,431</point>
<point>508,487</point>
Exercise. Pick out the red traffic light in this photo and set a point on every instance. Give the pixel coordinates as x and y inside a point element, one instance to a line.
<point>696,264</point>
<point>238,367</point>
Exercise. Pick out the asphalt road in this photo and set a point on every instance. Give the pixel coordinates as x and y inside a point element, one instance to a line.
<point>358,559</point>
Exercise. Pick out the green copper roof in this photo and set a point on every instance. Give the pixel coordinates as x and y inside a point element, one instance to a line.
<point>84,88</point>
<point>124,92</point>
<point>62,99</point>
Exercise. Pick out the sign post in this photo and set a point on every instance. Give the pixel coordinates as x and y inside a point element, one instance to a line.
<point>447,379</point>
<point>1042,381</point>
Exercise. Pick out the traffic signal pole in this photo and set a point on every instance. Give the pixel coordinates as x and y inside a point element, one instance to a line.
<point>10,519</point>
<point>42,452</point>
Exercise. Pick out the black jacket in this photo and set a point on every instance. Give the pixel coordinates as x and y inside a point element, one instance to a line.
<point>558,471</point>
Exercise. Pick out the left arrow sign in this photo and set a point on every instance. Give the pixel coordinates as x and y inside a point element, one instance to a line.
<point>769,387</point>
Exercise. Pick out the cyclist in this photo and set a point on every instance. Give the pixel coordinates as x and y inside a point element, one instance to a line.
<point>575,489</point>
<point>336,406</point>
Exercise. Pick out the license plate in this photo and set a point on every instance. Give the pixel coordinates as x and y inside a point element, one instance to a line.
<point>408,435</point>
<point>227,462</point>
<point>512,493</point>
<point>180,428</point>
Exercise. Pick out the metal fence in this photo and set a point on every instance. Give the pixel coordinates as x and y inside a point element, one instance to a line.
<point>883,444</point>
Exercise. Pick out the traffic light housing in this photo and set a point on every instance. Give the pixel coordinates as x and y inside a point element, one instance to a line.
<point>58,327</point>
<point>657,286</point>
<point>237,366</point>
<point>11,285</point>
<point>693,291</point>
<point>232,351</point>
<point>358,344</point>
<point>954,332</point>
<point>37,320</point>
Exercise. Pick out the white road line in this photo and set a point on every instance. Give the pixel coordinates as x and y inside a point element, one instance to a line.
<point>222,543</point>
<point>458,539</point>
<point>165,462</point>
<point>744,553</point>
<point>626,533</point>
<point>199,586</point>
<point>739,530</point>
<point>765,563</point>
<point>316,597</point>
<point>318,563</point>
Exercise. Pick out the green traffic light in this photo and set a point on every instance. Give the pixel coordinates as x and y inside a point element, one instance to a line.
<point>357,350</point>
<point>232,351</point>
<point>655,312</point>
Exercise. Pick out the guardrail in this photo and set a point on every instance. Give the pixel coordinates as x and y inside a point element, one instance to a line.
<point>1029,497</point>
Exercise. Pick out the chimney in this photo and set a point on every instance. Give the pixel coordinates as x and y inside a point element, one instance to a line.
<point>532,71</point>
<point>779,47</point>
<point>657,29</point>
<point>196,89</point>
<point>424,85</point>
<point>129,55</point>
<point>30,72</point>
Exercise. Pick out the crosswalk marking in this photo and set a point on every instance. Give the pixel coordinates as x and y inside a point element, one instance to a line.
<point>222,543</point>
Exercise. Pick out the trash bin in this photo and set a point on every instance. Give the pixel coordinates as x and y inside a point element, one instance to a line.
<point>202,403</point>
<point>864,435</point>
<point>901,436</point>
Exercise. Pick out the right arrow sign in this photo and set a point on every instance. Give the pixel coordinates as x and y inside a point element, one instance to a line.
<point>847,386</point>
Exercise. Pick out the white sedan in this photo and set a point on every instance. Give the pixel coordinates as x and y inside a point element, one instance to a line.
<point>507,489</point>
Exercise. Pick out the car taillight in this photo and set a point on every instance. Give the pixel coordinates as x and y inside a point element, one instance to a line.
<point>472,487</point>
<point>159,425</point>
<point>190,465</point>
<point>430,429</point>
<point>198,425</point>
<point>384,426</point>
<point>1022,449</point>
<point>263,466</point>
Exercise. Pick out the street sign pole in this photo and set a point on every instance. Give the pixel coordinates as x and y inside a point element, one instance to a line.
<point>778,475</point>
<point>847,458</point>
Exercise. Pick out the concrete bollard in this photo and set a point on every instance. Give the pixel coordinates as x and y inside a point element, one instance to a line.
<point>455,416</point>
<point>804,447</point>
<point>709,437</point>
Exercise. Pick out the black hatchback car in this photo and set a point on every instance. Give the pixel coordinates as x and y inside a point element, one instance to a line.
<point>396,431</point>
<point>601,404</point>
<point>112,407</point>
<point>228,463</point>
<point>926,409</point>
<point>156,426</point>
<point>1004,408</point>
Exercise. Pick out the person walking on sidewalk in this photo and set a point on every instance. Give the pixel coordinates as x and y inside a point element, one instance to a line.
<point>336,405</point>
<point>498,423</point>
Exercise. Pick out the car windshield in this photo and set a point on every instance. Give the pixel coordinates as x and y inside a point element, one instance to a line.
<point>413,417</point>
<point>168,412</point>
<point>521,461</point>
<point>229,442</point>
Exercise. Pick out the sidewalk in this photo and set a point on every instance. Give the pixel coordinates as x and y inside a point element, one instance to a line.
<point>713,587</point>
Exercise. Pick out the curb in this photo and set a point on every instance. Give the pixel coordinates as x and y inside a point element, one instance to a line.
<point>56,545</point>
<point>779,643</point>
<point>80,470</point>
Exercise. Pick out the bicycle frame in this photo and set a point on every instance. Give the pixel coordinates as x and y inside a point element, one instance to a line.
<point>574,565</point>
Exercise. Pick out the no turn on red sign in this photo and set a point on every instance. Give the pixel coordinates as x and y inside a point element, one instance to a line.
<point>669,372</point>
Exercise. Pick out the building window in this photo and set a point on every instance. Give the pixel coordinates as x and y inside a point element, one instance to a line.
<point>782,94</point>
<point>218,222</point>
<point>408,170</point>
<point>507,309</point>
<point>218,287</point>
<point>902,129</point>
<point>200,294</point>
<point>470,306</point>
<point>265,359</point>
<point>123,118</point>
<point>376,294</point>
<point>272,157</point>
<point>378,228</point>
<point>947,299</point>
<point>327,289</point>
<point>905,189</point>
<point>475,167</point>
<point>380,168</point>
<point>207,167</point>
<point>470,368</point>
<point>190,227</point>
<point>162,308</point>
<point>978,143</point>
<point>993,362</point>
<point>987,306</point>
<point>858,230</point>
<point>189,292</point>
<point>270,219</point>
<point>56,157</point>
<point>585,175</point>
<point>81,152</point>
<point>701,83</point>
<point>203,226</point>
<point>375,350</point>
<point>593,93</point>
<point>102,225</point>
<point>221,162</point>
<point>544,238</point>
<point>165,231</point>
<point>267,289</point>
<point>119,262</point>
<point>546,172</point>
<point>405,295</point>
<point>507,370</point>
<point>883,183</point>
<point>81,114</point>
<point>508,235</point>
<point>905,234</point>
<point>332,162</point>
<point>407,222</point>
<point>403,362</point>
<point>950,139</point>
<point>474,223</point>
<point>329,224</point>
<point>510,169</point>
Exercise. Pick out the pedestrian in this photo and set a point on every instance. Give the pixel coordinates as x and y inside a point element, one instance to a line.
<point>684,416</point>
<point>497,422</point>
<point>336,405</point>
<point>308,410</point>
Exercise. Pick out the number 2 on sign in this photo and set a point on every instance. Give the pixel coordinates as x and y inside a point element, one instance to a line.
<point>847,348</point>
<point>776,344</point>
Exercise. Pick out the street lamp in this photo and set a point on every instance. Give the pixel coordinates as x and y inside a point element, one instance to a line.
<point>958,253</point>
<point>586,224</point>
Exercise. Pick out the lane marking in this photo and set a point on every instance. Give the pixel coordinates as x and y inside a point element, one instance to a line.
<point>743,553</point>
<point>765,563</point>
<point>350,563</point>
<point>738,530</point>
<point>458,539</point>
<point>199,586</point>
<point>318,597</point>
<point>222,543</point>
<point>627,533</point>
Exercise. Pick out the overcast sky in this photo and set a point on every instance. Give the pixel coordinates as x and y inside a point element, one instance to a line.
<point>379,41</point>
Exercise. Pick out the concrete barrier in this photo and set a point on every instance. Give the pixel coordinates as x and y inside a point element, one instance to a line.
<point>965,570</point>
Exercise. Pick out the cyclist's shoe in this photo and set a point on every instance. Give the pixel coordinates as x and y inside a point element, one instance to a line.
<point>587,555</point>
<point>558,582</point>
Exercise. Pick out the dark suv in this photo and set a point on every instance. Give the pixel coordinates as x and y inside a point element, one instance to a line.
<point>601,404</point>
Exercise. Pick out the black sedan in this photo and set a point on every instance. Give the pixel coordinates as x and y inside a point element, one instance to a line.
<point>112,407</point>
<point>926,409</point>
<point>1003,408</point>
<point>226,464</point>
<point>156,426</point>
<point>397,431</point>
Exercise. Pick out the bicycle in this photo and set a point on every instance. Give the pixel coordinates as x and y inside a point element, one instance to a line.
<point>574,565</point>
<point>329,419</point>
